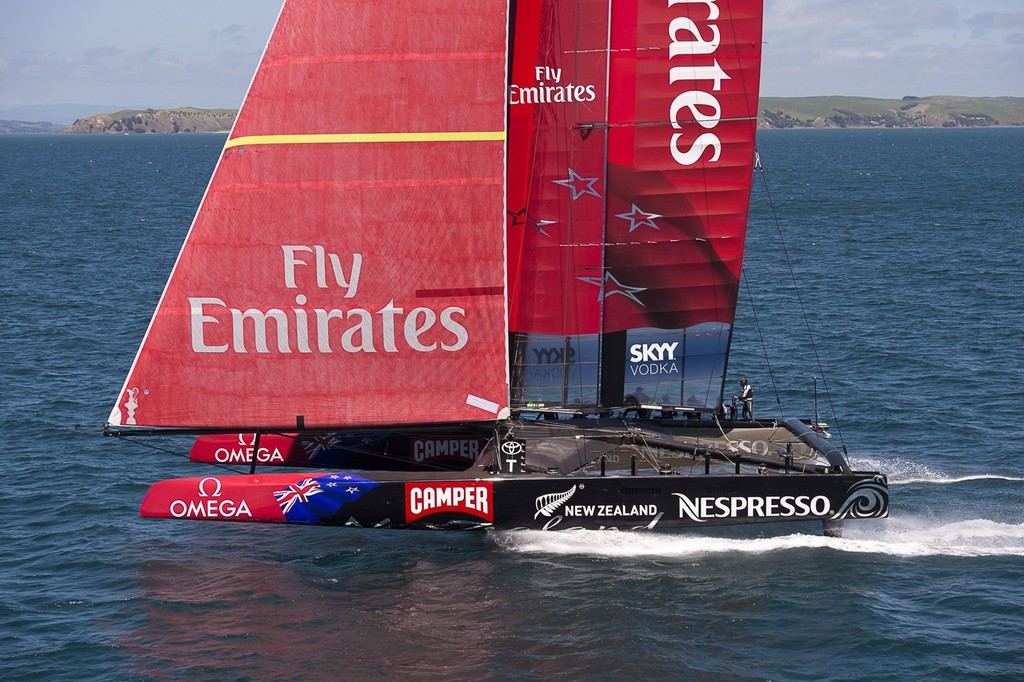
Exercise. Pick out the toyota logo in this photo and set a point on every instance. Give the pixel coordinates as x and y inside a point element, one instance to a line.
<point>512,448</point>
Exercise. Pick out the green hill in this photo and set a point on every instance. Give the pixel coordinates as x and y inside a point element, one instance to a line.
<point>182,120</point>
<point>909,112</point>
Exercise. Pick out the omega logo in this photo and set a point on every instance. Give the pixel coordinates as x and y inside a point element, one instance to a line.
<point>204,489</point>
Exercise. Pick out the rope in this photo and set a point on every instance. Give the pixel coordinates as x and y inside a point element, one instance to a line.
<point>764,346</point>
<point>167,451</point>
<point>803,310</point>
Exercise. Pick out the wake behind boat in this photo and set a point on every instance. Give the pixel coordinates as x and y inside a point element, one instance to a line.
<point>491,260</point>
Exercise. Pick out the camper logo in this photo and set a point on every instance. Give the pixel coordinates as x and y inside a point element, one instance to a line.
<point>429,449</point>
<point>472,498</point>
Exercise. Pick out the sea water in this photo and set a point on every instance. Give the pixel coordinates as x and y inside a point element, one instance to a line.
<point>881,291</point>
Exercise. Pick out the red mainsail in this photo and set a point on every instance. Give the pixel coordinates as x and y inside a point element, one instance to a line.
<point>346,265</point>
<point>627,243</point>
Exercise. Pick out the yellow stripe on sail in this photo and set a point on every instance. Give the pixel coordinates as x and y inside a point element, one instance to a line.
<point>355,138</point>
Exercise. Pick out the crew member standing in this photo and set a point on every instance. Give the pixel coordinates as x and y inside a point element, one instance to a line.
<point>747,396</point>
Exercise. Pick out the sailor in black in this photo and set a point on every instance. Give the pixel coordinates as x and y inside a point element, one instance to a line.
<point>747,396</point>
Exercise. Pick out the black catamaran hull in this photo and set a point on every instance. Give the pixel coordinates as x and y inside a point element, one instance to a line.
<point>529,501</point>
<point>561,474</point>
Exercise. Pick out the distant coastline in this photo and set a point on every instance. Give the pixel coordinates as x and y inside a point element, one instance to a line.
<point>776,113</point>
<point>908,112</point>
<point>180,120</point>
<point>135,121</point>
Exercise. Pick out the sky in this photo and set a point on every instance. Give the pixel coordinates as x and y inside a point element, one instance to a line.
<point>203,52</point>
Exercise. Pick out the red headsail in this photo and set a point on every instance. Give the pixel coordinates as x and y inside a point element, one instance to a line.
<point>346,266</point>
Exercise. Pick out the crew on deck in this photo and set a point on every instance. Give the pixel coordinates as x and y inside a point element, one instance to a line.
<point>746,396</point>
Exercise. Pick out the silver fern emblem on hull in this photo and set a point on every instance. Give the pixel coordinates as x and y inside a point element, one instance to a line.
<point>547,504</point>
<point>865,500</point>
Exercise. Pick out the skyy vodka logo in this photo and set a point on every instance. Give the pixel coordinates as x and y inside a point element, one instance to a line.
<point>218,327</point>
<point>549,361</point>
<point>696,42</point>
<point>647,359</point>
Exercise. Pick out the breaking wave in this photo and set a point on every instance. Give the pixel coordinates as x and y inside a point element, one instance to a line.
<point>942,480</point>
<point>907,537</point>
<point>904,472</point>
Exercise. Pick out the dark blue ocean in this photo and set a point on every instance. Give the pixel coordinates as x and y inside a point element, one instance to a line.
<point>883,278</point>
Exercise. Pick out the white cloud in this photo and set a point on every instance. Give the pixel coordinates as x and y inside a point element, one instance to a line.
<point>882,48</point>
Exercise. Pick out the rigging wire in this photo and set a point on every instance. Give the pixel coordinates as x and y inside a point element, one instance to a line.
<point>167,451</point>
<point>753,308</point>
<point>764,346</point>
<point>803,309</point>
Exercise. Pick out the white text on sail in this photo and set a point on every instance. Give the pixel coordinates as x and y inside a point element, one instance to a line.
<point>218,327</point>
<point>692,40</point>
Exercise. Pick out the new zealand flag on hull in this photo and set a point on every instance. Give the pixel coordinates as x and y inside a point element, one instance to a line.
<point>321,497</point>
